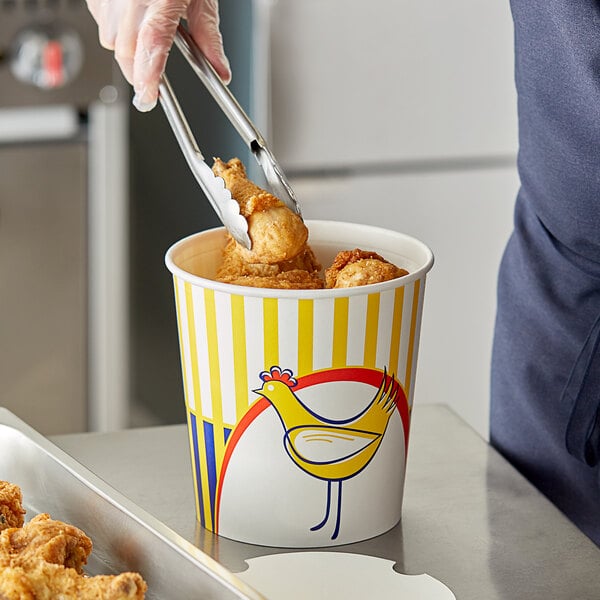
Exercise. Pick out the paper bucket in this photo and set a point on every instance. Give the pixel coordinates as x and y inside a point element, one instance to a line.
<point>299,401</point>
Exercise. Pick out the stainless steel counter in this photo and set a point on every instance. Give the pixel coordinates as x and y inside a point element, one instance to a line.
<point>469,519</point>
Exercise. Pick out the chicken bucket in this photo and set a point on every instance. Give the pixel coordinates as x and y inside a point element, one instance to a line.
<point>299,401</point>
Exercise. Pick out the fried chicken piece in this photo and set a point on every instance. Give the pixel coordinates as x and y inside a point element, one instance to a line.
<point>39,580</point>
<point>44,539</point>
<point>44,560</point>
<point>11,505</point>
<point>286,280</point>
<point>358,267</point>
<point>277,233</point>
<point>301,272</point>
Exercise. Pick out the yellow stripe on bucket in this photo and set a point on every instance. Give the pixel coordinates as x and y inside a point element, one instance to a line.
<point>186,390</point>
<point>396,330</point>
<point>370,352</point>
<point>411,339</point>
<point>238,328</point>
<point>215,374</point>
<point>305,336</point>
<point>182,351</point>
<point>271,332</point>
<point>340,332</point>
<point>189,303</point>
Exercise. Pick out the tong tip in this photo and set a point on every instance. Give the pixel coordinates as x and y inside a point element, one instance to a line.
<point>280,186</point>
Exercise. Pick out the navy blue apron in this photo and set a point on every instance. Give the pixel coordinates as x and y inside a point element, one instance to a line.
<point>545,384</point>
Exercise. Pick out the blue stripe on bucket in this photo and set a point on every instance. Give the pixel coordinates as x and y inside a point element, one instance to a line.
<point>197,466</point>
<point>211,466</point>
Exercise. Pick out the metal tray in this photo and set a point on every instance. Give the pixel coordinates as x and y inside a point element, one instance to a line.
<point>124,536</point>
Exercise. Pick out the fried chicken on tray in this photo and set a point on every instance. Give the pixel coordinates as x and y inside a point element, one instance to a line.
<point>46,540</point>
<point>39,580</point>
<point>11,506</point>
<point>44,559</point>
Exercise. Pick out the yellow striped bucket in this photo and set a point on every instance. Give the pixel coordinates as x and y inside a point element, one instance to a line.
<point>298,401</point>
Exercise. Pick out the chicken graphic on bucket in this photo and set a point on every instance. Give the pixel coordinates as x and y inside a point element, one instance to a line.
<point>332,450</point>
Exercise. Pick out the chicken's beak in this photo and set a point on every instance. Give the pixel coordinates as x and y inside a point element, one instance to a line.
<point>259,392</point>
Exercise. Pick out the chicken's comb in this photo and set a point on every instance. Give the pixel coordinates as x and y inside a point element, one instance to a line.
<point>278,374</point>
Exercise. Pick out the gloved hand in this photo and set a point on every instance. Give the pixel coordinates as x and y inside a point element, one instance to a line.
<point>141,33</point>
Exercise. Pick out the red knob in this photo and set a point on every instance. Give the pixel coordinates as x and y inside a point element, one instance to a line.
<point>52,60</point>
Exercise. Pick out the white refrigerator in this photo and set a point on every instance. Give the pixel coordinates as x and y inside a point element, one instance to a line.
<point>402,114</point>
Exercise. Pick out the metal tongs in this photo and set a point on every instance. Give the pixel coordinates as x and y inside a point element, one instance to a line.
<point>218,195</point>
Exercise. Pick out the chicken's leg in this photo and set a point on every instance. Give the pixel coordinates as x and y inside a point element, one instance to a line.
<point>338,511</point>
<point>327,509</point>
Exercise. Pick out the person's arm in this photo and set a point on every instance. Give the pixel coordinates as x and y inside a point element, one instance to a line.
<point>141,33</point>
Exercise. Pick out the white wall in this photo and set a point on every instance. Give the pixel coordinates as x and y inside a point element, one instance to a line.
<point>382,81</point>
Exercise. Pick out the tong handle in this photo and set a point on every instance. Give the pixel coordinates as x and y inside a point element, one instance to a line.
<point>227,209</point>
<point>219,91</point>
<point>238,118</point>
<point>179,124</point>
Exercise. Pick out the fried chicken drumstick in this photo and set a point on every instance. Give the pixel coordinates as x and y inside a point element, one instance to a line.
<point>277,233</point>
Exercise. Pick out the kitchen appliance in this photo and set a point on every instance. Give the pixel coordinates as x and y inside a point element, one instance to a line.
<point>63,220</point>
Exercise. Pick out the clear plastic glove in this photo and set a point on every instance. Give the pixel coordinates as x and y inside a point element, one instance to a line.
<point>141,33</point>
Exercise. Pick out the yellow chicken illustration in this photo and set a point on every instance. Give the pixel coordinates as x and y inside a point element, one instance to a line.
<point>329,449</point>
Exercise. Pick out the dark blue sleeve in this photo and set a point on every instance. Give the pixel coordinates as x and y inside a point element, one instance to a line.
<point>545,383</point>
